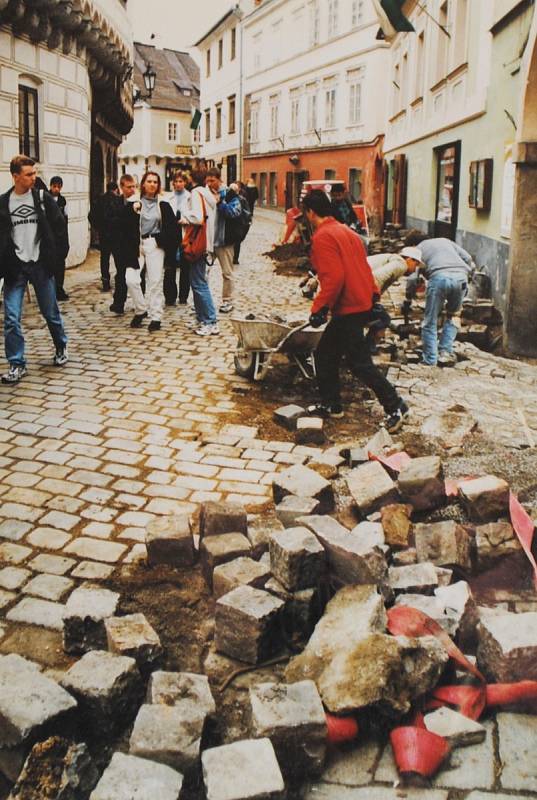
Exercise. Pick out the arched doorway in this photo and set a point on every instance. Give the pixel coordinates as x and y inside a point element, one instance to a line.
<point>521,323</point>
<point>97,177</point>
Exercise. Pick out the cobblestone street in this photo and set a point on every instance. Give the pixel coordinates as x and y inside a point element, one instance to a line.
<point>138,426</point>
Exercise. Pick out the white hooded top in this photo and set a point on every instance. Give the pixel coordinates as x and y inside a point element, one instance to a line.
<point>193,213</point>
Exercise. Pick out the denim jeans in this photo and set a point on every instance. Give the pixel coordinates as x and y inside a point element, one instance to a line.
<point>442,291</point>
<point>203,301</point>
<point>45,290</point>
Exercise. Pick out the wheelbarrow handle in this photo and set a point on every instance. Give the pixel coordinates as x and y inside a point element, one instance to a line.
<point>291,332</point>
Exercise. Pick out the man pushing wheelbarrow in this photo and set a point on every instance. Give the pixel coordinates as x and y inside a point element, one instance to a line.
<point>347,291</point>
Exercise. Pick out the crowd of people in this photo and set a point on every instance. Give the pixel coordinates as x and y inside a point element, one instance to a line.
<point>154,240</point>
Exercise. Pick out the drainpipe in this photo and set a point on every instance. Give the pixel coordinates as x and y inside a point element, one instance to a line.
<point>241,110</point>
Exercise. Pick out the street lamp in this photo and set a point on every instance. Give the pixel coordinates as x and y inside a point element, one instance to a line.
<point>150,78</point>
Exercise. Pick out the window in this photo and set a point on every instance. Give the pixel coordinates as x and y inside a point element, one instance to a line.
<point>355,78</point>
<point>420,65</point>
<point>396,88</point>
<point>274,116</point>
<point>355,184</point>
<point>441,59</point>
<point>357,13</point>
<point>480,192</point>
<point>220,53</point>
<point>263,188</point>
<point>273,188</point>
<point>254,123</point>
<point>459,43</point>
<point>173,131</point>
<point>207,125</point>
<point>404,80</point>
<point>315,22</point>
<point>208,62</point>
<point>218,120</point>
<point>28,122</point>
<point>233,51</point>
<point>295,112</point>
<point>330,108</point>
<point>329,174</point>
<point>231,115</point>
<point>311,112</point>
<point>276,40</point>
<point>332,17</point>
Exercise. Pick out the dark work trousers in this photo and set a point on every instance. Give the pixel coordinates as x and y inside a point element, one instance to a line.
<point>344,337</point>
<point>236,252</point>
<point>184,280</point>
<point>120,287</point>
<point>59,275</point>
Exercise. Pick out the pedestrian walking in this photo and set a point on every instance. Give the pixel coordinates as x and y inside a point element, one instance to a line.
<point>149,226</point>
<point>32,230</point>
<point>104,218</point>
<point>447,270</point>
<point>126,238</point>
<point>55,188</point>
<point>226,233</point>
<point>179,203</point>
<point>245,219</point>
<point>252,194</point>
<point>347,290</point>
<point>201,212</point>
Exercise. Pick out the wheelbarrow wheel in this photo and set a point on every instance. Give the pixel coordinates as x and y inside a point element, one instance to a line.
<point>248,363</point>
<point>245,364</point>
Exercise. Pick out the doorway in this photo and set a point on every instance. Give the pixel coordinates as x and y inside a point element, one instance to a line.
<point>448,168</point>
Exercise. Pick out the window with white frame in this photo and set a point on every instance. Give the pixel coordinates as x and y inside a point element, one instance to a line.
<point>311,110</point>
<point>315,22</point>
<point>254,122</point>
<point>396,85</point>
<point>442,44</point>
<point>333,10</point>
<point>218,132</point>
<point>256,49</point>
<point>459,33</point>
<point>419,81</point>
<point>295,111</point>
<point>404,81</point>
<point>173,131</point>
<point>357,13</point>
<point>330,107</point>
<point>355,103</point>
<point>274,100</point>
<point>207,125</point>
<point>276,43</point>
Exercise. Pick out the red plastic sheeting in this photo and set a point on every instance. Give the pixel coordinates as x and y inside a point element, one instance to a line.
<point>524,528</point>
<point>395,462</point>
<point>418,750</point>
<point>407,621</point>
<point>341,729</point>
<point>468,700</point>
<point>507,694</point>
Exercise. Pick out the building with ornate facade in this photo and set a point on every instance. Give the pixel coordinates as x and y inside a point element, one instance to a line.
<point>162,138</point>
<point>66,96</point>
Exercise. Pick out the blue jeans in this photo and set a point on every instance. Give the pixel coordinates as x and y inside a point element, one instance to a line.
<point>45,290</point>
<point>203,301</point>
<point>442,290</point>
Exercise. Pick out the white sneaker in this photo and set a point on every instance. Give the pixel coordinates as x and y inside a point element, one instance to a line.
<point>226,307</point>
<point>446,359</point>
<point>208,330</point>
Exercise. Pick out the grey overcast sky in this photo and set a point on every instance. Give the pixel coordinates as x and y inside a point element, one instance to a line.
<point>176,23</point>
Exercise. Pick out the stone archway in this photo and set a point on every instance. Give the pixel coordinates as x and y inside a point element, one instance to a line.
<point>521,322</point>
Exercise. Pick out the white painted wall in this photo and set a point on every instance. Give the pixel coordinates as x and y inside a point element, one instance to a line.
<point>64,123</point>
<point>294,50</point>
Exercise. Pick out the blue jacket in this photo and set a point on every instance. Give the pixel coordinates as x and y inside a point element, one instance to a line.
<point>228,210</point>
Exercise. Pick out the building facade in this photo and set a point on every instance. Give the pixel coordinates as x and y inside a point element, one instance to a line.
<point>161,138</point>
<point>222,81</point>
<point>452,121</point>
<point>313,108</point>
<point>65,96</point>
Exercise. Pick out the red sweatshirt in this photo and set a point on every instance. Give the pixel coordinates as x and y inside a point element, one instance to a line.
<point>339,258</point>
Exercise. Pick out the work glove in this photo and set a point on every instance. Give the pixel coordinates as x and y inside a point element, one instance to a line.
<point>319,317</point>
<point>405,307</point>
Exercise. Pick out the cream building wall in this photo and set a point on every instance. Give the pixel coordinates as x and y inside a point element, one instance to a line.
<point>474,102</point>
<point>64,105</point>
<point>299,54</point>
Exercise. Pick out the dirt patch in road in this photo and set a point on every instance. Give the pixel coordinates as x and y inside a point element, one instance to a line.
<point>289,259</point>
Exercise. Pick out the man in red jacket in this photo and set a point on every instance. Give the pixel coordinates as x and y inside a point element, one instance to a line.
<point>347,287</point>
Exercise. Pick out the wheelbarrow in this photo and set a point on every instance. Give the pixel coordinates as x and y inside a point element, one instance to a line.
<point>259,338</point>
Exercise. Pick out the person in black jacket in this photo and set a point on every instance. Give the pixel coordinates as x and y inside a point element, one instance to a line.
<point>158,234</point>
<point>56,186</point>
<point>126,248</point>
<point>104,216</point>
<point>32,229</point>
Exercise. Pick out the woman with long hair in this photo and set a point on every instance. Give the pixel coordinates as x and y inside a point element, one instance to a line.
<point>158,238</point>
<point>201,210</point>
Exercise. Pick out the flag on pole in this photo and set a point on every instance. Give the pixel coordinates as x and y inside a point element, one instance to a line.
<point>196,119</point>
<point>391,18</point>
